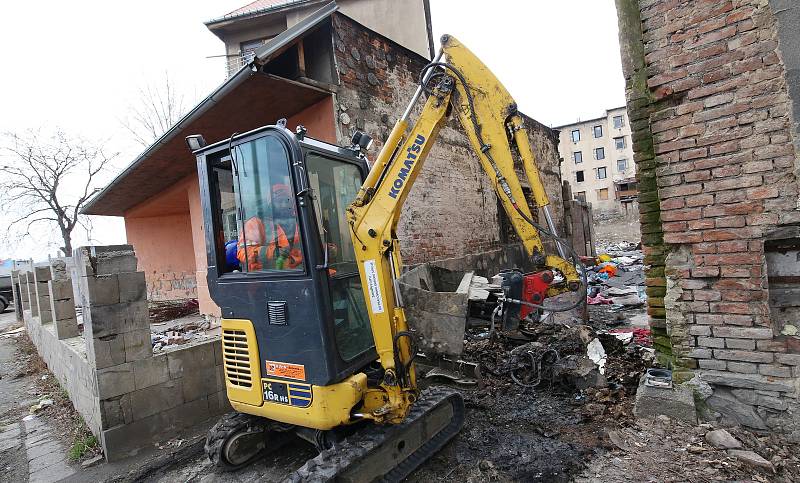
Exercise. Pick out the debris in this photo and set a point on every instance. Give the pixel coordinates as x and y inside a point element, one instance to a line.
<point>751,458</point>
<point>677,402</point>
<point>597,354</point>
<point>29,417</point>
<point>13,332</point>
<point>597,300</point>
<point>615,438</point>
<point>701,388</point>
<point>41,405</point>
<point>721,439</point>
<point>92,461</point>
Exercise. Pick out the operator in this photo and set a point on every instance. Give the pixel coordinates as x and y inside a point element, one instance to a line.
<point>259,251</point>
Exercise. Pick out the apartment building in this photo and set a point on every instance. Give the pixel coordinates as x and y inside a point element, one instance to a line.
<point>597,161</point>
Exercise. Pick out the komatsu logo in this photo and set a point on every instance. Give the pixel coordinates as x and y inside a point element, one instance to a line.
<point>411,156</point>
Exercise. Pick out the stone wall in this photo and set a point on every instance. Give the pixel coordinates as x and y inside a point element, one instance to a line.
<point>452,209</point>
<point>129,397</point>
<point>715,141</point>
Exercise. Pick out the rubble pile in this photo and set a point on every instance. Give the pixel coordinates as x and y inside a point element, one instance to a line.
<point>573,357</point>
<point>164,310</point>
<point>182,331</point>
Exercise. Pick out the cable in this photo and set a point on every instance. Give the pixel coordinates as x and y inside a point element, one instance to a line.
<point>504,185</point>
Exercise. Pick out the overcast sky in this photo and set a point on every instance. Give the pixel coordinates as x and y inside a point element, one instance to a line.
<point>78,64</point>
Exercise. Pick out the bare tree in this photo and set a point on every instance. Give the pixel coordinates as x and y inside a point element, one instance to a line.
<point>158,108</point>
<point>48,179</point>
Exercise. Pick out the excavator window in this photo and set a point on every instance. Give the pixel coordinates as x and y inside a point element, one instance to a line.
<point>335,185</point>
<point>257,210</point>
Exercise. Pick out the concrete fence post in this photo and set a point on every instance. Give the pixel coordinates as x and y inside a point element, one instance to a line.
<point>15,293</point>
<point>41,277</point>
<point>62,299</point>
<point>30,294</point>
<point>115,318</point>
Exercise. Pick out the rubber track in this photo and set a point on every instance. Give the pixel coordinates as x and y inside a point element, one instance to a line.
<point>330,463</point>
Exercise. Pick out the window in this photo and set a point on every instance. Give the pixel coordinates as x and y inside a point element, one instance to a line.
<point>269,238</point>
<point>247,50</point>
<point>619,121</point>
<point>599,153</point>
<point>335,184</point>
<point>579,176</point>
<point>580,195</point>
<point>622,165</point>
<point>598,131</point>
<point>601,173</point>
<point>577,156</point>
<point>619,142</point>
<point>602,194</point>
<point>576,136</point>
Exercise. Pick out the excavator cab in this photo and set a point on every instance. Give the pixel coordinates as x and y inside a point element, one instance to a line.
<point>282,268</point>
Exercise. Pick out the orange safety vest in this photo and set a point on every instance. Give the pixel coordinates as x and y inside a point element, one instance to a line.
<point>256,255</point>
<point>289,254</point>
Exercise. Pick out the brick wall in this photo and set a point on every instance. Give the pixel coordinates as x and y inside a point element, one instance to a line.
<point>713,135</point>
<point>452,209</point>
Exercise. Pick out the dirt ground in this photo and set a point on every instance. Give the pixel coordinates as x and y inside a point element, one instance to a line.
<point>616,229</point>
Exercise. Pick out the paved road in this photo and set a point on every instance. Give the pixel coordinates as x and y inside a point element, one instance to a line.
<point>28,449</point>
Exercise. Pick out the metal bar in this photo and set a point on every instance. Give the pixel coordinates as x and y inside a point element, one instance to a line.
<point>418,93</point>
<point>552,227</point>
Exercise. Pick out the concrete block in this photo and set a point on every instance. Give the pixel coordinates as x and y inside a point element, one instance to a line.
<point>59,269</point>
<point>137,345</point>
<point>156,399</point>
<point>101,289</point>
<point>191,413</point>
<point>115,319</point>
<point>60,289</point>
<point>677,403</point>
<point>62,309</point>
<point>132,287</point>
<point>191,358</point>
<point>105,260</point>
<point>45,315</point>
<point>66,328</point>
<point>41,274</point>
<point>106,352</point>
<point>199,383</point>
<point>115,381</point>
<point>150,371</point>
<point>218,352</point>
<point>218,403</point>
<point>111,412</point>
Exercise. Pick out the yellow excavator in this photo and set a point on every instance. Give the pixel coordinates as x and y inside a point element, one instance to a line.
<point>304,262</point>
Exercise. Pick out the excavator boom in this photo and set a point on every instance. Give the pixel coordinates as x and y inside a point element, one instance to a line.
<point>456,81</point>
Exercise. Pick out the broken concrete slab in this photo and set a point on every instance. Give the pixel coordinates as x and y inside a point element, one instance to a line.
<point>721,439</point>
<point>733,410</point>
<point>677,402</point>
<point>750,457</point>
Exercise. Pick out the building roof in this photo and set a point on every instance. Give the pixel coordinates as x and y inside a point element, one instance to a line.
<point>256,8</point>
<point>168,159</point>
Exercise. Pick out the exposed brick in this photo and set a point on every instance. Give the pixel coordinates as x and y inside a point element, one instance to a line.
<point>701,272</point>
<point>703,330</point>
<point>699,200</point>
<point>712,364</point>
<point>774,370</point>
<point>743,356</point>
<point>742,332</point>
<point>743,367</point>
<point>744,344</point>
<point>788,359</point>
<point>700,353</point>
<point>736,183</point>
<point>711,342</point>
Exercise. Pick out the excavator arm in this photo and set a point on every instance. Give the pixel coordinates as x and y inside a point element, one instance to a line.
<point>456,82</point>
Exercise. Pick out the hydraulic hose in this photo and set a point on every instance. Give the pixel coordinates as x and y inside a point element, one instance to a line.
<point>423,81</point>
